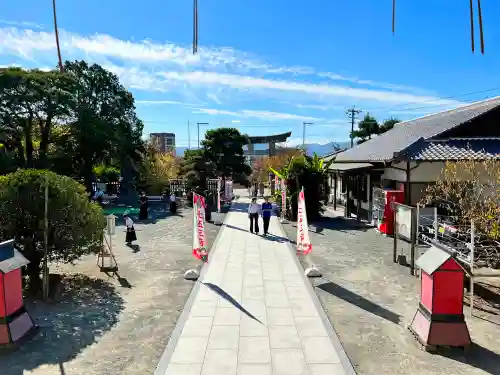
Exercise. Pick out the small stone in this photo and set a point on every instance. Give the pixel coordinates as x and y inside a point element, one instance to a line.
<point>191,275</point>
<point>313,272</point>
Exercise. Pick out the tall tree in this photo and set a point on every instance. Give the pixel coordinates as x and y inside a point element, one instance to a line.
<point>388,125</point>
<point>197,170</point>
<point>224,148</point>
<point>366,128</point>
<point>103,123</point>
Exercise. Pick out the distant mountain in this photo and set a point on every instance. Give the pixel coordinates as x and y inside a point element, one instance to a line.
<point>312,148</point>
<point>179,151</point>
<point>322,150</point>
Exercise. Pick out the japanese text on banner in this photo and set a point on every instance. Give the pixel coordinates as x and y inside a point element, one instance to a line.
<point>199,240</point>
<point>303,243</point>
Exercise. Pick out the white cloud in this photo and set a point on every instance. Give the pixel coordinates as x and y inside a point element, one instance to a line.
<point>164,102</point>
<point>248,82</point>
<point>219,74</point>
<point>263,115</point>
<point>23,24</point>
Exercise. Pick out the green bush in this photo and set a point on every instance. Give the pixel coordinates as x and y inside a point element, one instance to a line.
<point>75,224</point>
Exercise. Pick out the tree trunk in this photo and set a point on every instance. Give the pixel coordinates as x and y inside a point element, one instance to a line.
<point>88,177</point>
<point>44,141</point>
<point>29,143</point>
<point>33,269</point>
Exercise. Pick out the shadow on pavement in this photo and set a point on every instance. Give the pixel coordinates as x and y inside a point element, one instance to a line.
<point>231,300</point>
<point>239,207</point>
<point>359,301</point>
<point>87,309</point>
<point>339,223</point>
<point>477,356</point>
<point>135,248</point>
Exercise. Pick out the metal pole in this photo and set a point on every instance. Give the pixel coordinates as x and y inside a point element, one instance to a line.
<point>189,137</point>
<point>304,124</point>
<point>472,245</point>
<point>435,224</point>
<point>45,240</point>
<point>198,134</point>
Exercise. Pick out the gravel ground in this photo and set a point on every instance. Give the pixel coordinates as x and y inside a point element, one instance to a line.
<point>370,302</point>
<point>111,326</point>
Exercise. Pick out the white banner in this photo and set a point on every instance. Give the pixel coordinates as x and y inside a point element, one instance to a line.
<point>199,239</point>
<point>218,194</point>
<point>303,243</point>
<point>283,199</point>
<point>228,190</point>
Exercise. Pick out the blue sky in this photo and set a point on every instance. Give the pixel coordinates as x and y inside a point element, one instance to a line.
<point>267,66</point>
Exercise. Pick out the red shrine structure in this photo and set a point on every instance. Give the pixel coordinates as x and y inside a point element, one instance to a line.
<point>15,323</point>
<point>439,320</point>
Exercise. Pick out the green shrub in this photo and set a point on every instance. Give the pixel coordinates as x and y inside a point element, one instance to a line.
<point>75,224</point>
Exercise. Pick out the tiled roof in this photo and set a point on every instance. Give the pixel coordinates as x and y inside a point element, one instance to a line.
<point>404,134</point>
<point>456,149</point>
<point>332,155</point>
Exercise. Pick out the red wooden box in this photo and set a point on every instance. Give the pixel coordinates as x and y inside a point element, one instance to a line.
<point>15,322</point>
<point>439,320</point>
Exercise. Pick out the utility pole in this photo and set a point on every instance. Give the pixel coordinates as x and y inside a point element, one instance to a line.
<point>304,124</point>
<point>352,112</point>
<point>200,123</point>
<point>189,137</point>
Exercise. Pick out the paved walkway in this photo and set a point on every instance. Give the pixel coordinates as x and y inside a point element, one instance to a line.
<point>253,312</point>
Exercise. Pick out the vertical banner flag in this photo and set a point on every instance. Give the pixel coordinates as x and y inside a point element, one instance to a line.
<point>199,239</point>
<point>276,181</point>
<point>283,198</point>
<point>219,183</point>
<point>228,191</point>
<point>303,243</point>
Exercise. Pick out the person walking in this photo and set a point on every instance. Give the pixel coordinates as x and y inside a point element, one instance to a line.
<point>144,205</point>
<point>267,211</point>
<point>130,236</point>
<point>173,203</point>
<point>253,215</point>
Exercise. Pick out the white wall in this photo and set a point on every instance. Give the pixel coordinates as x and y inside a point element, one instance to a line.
<point>422,172</point>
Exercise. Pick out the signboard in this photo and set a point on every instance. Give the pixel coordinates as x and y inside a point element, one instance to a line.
<point>403,220</point>
<point>111,224</point>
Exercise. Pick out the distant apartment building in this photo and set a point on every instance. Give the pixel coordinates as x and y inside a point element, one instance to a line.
<point>164,142</point>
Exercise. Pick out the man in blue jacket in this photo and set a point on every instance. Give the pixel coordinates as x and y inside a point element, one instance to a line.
<point>267,210</point>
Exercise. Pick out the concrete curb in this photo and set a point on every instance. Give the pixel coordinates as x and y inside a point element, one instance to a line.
<point>344,358</point>
<point>161,368</point>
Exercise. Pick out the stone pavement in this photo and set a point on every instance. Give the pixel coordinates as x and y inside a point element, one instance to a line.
<point>253,312</point>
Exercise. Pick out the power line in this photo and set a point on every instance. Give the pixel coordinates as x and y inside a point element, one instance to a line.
<point>352,112</point>
<point>386,109</point>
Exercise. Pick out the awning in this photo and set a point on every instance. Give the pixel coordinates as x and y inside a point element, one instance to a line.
<point>349,166</point>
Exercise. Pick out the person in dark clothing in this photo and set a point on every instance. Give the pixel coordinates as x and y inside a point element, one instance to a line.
<point>173,203</point>
<point>143,209</point>
<point>130,236</point>
<point>267,210</point>
<point>253,214</point>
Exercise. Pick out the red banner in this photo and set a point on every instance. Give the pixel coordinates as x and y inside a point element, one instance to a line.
<point>199,239</point>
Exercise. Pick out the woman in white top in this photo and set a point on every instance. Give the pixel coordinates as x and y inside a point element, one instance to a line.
<point>173,203</point>
<point>130,236</point>
<point>253,214</point>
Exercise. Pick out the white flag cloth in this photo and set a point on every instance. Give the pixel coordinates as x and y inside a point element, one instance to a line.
<point>199,239</point>
<point>303,243</point>
<point>228,190</point>
<point>218,194</point>
<point>283,198</point>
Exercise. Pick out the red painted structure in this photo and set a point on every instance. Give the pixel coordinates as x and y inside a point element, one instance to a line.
<point>439,320</point>
<point>15,323</point>
<point>386,225</point>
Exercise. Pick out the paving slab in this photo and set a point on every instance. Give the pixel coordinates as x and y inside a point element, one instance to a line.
<point>253,312</point>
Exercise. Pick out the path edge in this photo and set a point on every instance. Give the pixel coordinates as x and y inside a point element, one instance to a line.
<point>163,363</point>
<point>345,361</point>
